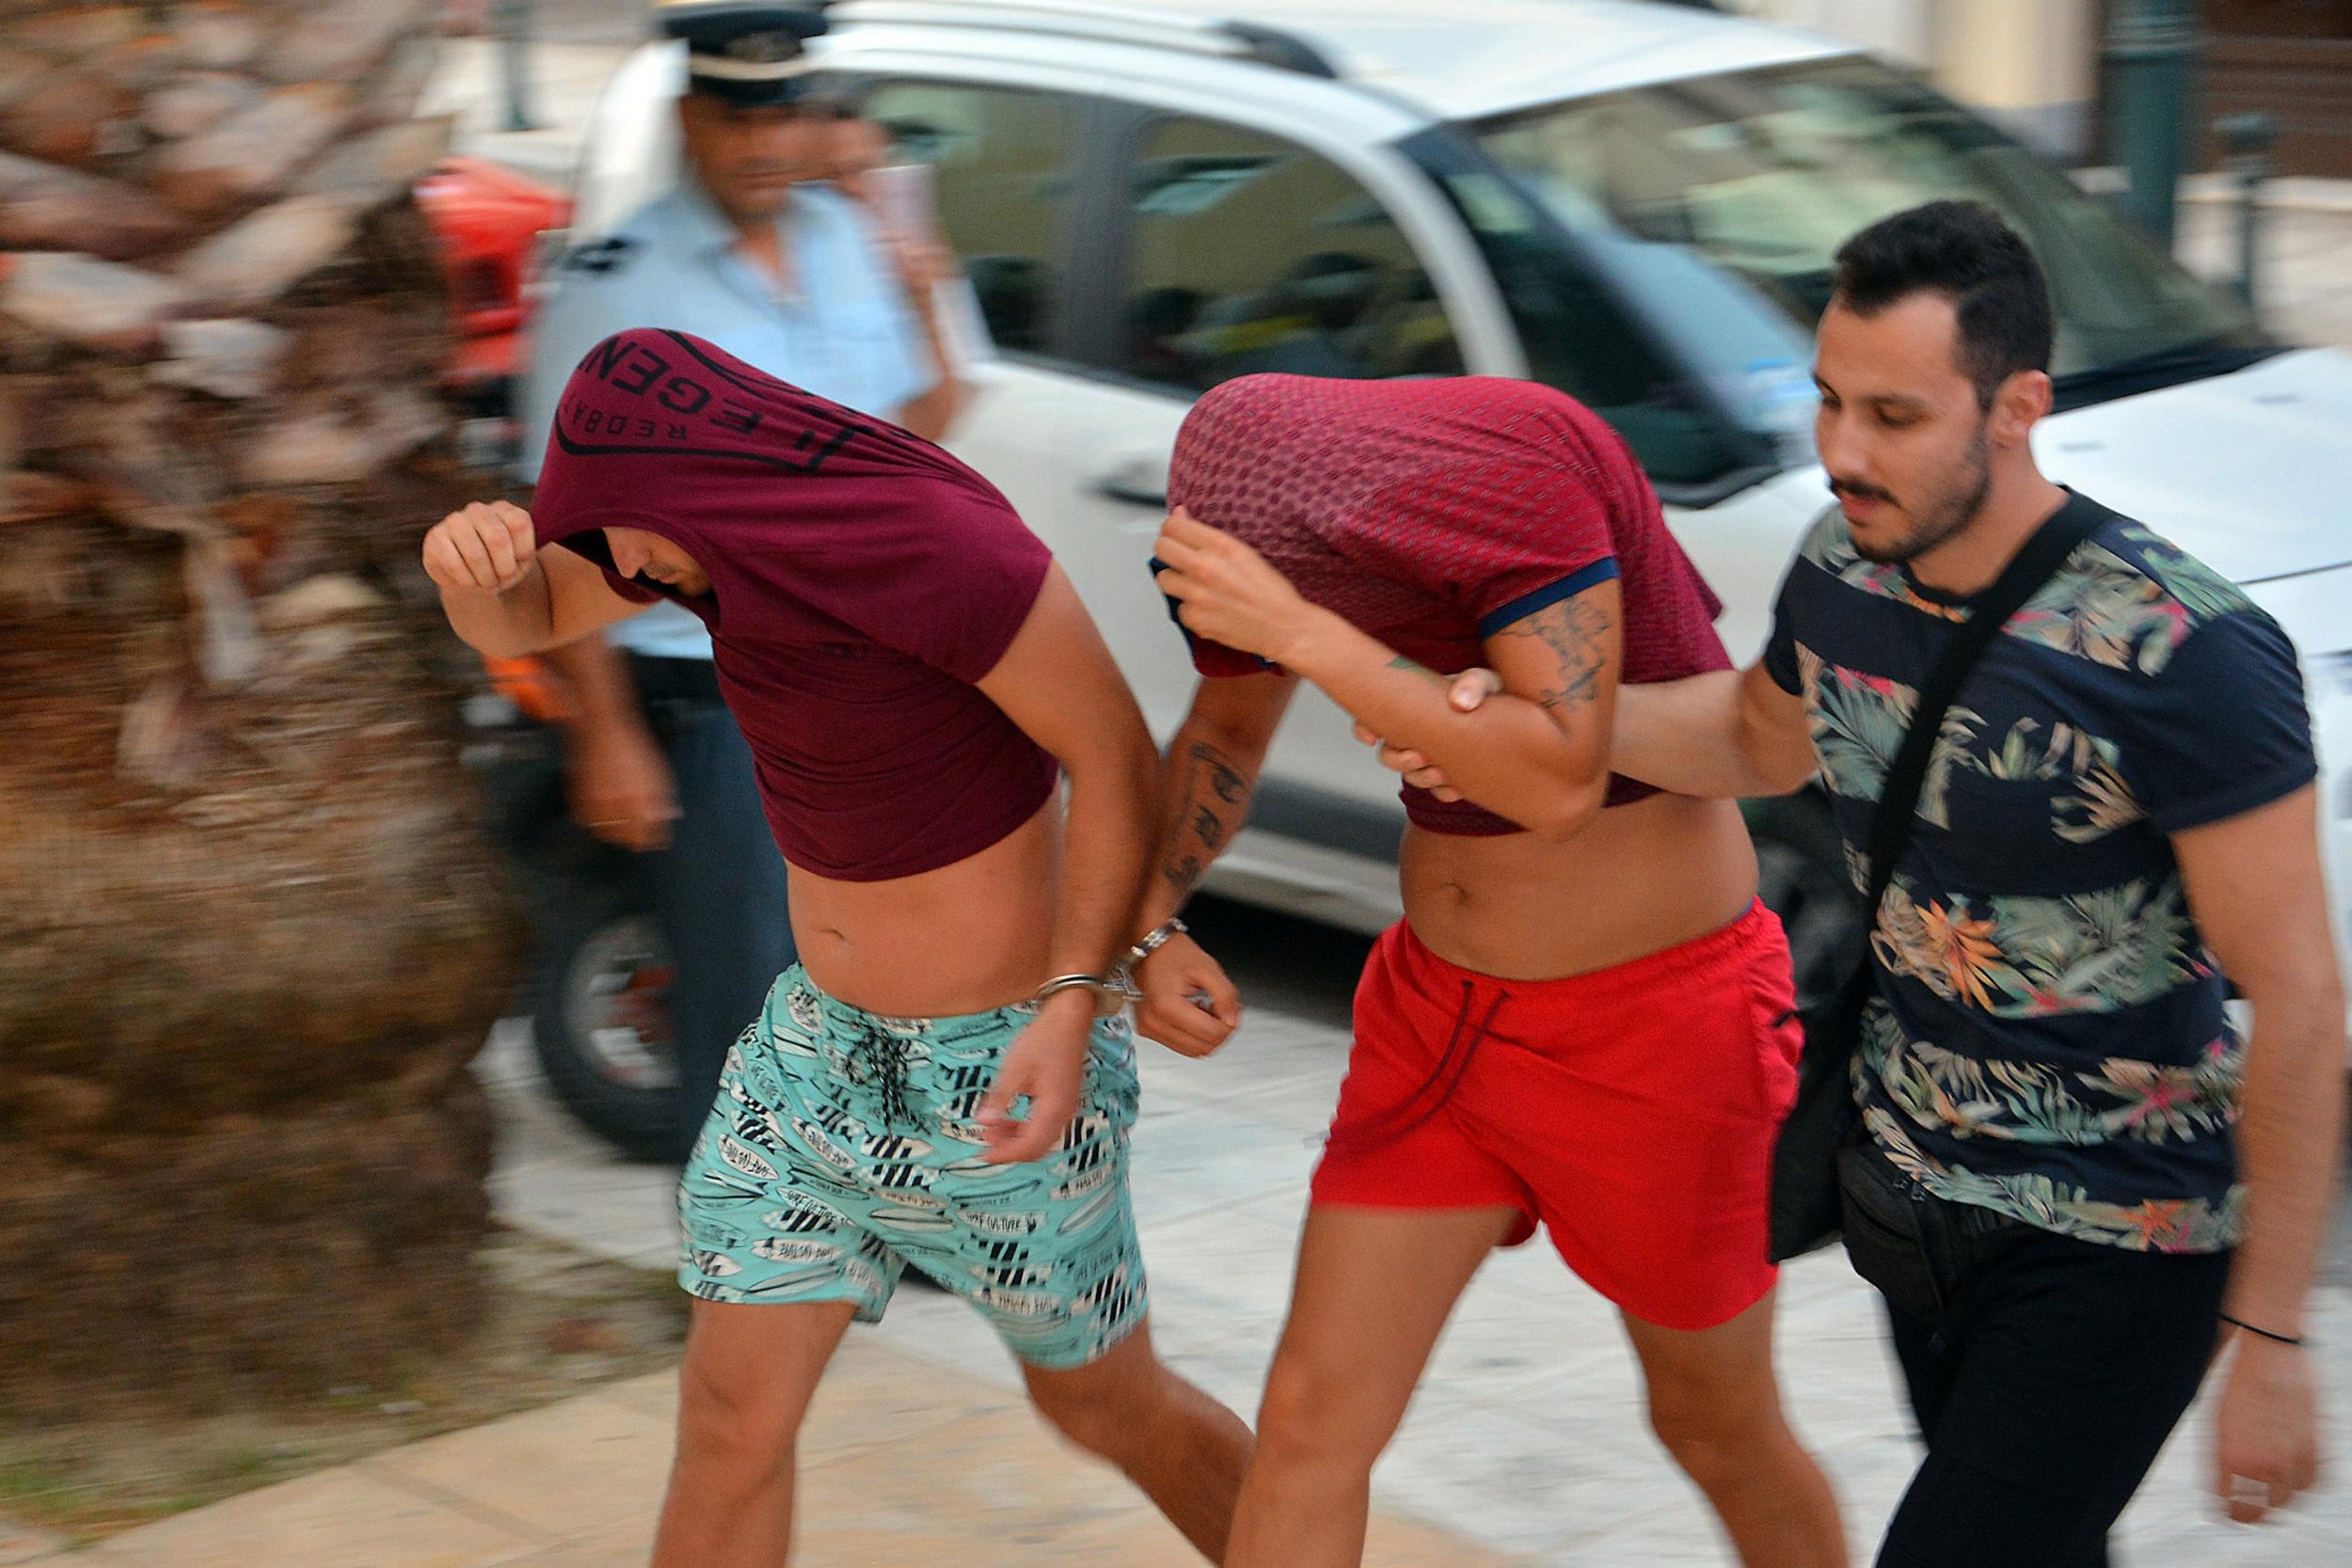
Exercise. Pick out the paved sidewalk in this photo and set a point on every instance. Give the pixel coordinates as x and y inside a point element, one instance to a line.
<point>2303,260</point>
<point>564,79</point>
<point>1528,1443</point>
<point>1527,1447</point>
<point>904,1462</point>
<point>1528,1436</point>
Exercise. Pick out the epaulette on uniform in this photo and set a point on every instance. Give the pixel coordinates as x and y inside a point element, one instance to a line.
<point>599,256</point>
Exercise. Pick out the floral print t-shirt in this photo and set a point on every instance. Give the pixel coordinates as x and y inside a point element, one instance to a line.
<point>2048,1038</point>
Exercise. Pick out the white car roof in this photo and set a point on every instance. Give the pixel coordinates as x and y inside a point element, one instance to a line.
<point>1456,59</point>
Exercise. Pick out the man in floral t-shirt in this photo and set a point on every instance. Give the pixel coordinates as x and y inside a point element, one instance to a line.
<point>2050,1042</point>
<point>2077,1172</point>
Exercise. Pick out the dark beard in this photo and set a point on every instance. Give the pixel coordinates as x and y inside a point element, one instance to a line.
<point>1954,512</point>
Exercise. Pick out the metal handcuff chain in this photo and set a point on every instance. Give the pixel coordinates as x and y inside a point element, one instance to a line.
<point>1113,991</point>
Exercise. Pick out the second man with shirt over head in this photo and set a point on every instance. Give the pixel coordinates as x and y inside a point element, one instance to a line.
<point>1583,1023</point>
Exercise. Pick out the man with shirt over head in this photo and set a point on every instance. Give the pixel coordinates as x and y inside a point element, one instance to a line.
<point>1579,1024</point>
<point>751,253</point>
<point>939,1082</point>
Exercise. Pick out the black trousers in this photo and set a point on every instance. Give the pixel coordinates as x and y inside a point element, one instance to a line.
<point>717,889</point>
<point>2046,1372</point>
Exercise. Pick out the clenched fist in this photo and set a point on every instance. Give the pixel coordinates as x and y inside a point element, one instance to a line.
<point>1188,1005</point>
<point>487,549</point>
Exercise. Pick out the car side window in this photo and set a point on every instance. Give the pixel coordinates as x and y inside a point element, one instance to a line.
<point>1578,337</point>
<point>1247,253</point>
<point>1001,165</point>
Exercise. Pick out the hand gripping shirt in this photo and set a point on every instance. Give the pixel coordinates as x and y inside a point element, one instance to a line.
<point>1432,513</point>
<point>2048,1039</point>
<point>862,581</point>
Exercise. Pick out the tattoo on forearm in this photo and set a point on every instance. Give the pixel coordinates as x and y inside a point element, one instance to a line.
<point>1211,798</point>
<point>1577,632</point>
<point>1416,667</point>
<point>1224,777</point>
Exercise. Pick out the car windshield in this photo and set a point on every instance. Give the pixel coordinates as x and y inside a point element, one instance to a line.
<point>1765,173</point>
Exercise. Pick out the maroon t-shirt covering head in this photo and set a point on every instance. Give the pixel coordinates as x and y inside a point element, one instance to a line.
<point>1432,513</point>
<point>862,580</point>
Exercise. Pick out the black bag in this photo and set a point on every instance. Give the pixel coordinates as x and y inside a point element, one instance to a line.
<point>1825,1117</point>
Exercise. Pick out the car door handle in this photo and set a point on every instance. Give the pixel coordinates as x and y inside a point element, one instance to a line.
<point>1136,482</point>
<point>1133,493</point>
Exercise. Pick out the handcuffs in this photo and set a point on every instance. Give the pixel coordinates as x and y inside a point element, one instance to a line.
<point>1113,991</point>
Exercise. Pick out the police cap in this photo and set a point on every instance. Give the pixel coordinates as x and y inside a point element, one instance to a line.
<point>749,54</point>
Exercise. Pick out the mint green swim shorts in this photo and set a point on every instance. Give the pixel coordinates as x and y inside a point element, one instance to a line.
<point>842,1148</point>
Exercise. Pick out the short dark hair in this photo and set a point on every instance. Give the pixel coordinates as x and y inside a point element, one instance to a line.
<point>1965,251</point>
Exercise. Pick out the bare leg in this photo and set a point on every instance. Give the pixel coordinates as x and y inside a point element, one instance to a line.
<point>1715,1404</point>
<point>1182,1448</point>
<point>742,1392</point>
<point>1375,1289</point>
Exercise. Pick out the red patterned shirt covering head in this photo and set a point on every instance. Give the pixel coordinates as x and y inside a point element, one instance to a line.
<point>1432,513</point>
<point>862,582</point>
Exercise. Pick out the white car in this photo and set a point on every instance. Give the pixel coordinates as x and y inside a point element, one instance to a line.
<point>1634,201</point>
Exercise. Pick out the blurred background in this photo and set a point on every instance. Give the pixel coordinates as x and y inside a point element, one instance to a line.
<point>334,1061</point>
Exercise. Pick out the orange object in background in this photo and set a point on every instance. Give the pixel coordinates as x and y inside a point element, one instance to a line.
<point>536,691</point>
<point>488,220</point>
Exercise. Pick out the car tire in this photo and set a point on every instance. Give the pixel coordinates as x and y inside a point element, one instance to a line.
<point>597,1024</point>
<point>1801,875</point>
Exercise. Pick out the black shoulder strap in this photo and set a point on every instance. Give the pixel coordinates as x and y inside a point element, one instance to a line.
<point>2028,569</point>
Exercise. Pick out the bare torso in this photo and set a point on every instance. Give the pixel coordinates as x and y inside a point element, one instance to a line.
<point>974,935</point>
<point>962,939</point>
<point>1639,879</point>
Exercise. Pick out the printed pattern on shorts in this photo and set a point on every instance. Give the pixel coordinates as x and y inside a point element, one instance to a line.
<point>843,1146</point>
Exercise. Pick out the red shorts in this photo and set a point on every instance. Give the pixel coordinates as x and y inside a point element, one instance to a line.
<point>1632,1111</point>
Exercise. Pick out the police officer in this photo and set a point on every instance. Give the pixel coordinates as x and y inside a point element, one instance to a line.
<point>790,277</point>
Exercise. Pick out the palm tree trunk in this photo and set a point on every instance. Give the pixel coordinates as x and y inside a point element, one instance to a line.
<point>250,931</point>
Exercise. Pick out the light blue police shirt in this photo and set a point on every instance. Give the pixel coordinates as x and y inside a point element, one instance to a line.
<point>842,330</point>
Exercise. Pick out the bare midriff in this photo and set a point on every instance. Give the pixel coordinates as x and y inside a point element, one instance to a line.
<point>963,938</point>
<point>1638,879</point>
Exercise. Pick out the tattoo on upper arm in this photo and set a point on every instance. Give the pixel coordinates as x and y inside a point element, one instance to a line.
<point>1577,632</point>
<point>1209,805</point>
